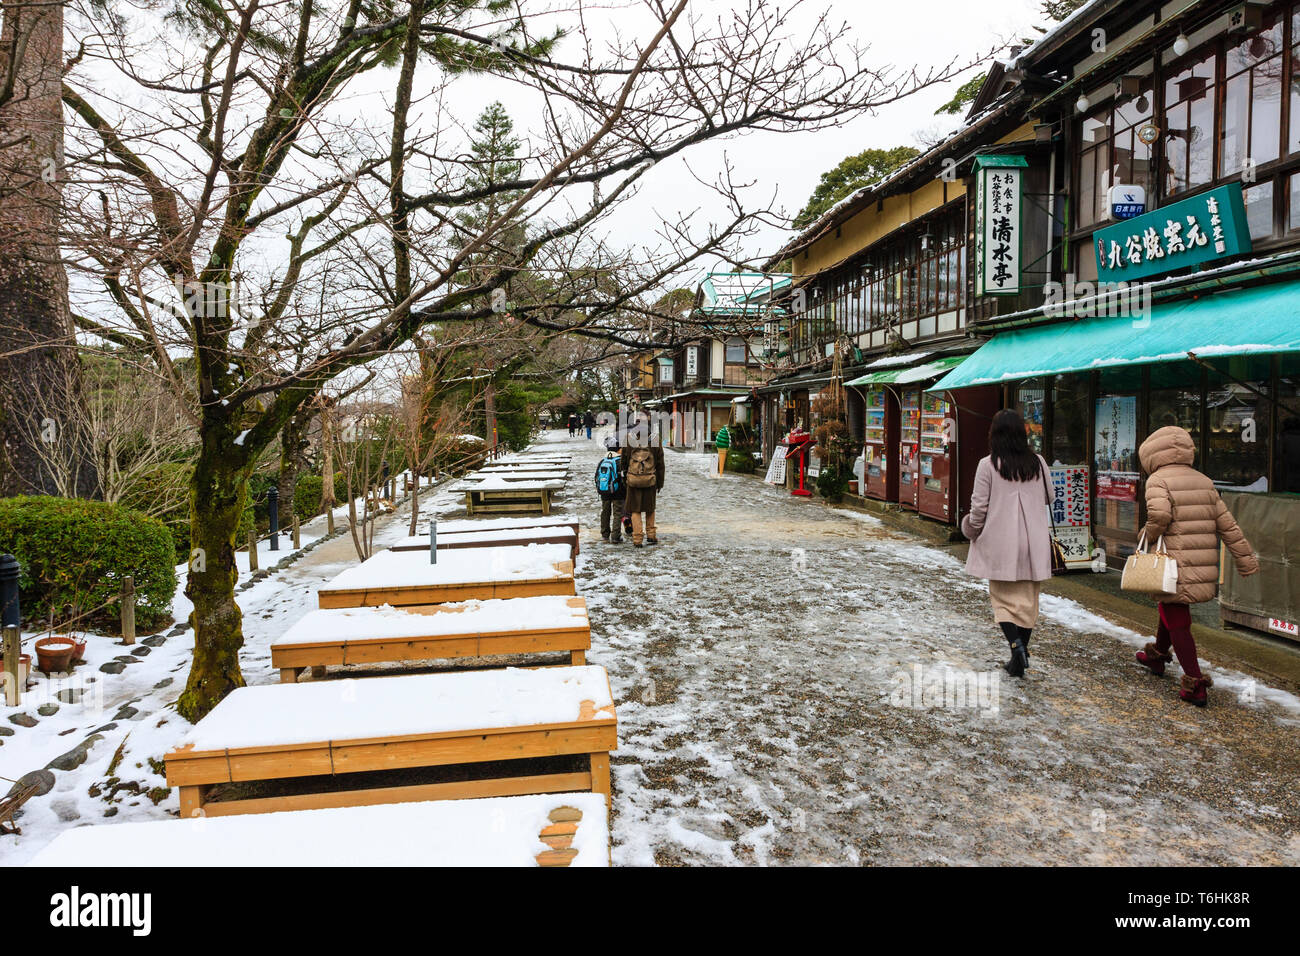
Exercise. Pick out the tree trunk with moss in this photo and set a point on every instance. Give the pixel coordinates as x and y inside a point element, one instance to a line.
<point>218,494</point>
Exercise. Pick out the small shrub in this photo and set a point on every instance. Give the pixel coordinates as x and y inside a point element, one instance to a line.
<point>306,496</point>
<point>832,482</point>
<point>77,552</point>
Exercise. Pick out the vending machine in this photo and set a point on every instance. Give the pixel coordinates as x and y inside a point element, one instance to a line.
<point>936,489</point>
<point>909,446</point>
<point>881,434</point>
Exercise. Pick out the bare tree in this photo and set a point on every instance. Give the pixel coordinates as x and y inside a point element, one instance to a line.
<point>235,203</point>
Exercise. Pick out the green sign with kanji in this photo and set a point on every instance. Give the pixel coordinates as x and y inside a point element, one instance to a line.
<point>1211,225</point>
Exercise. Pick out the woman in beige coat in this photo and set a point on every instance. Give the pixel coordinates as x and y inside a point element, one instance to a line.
<point>1008,530</point>
<point>1184,506</point>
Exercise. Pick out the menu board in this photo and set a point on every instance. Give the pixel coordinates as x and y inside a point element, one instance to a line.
<point>1072,513</point>
<point>776,470</point>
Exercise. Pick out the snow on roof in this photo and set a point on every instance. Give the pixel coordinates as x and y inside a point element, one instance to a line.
<point>335,625</point>
<point>271,715</point>
<point>495,831</point>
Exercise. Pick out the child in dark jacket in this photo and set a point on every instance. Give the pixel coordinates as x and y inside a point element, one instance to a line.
<point>611,485</point>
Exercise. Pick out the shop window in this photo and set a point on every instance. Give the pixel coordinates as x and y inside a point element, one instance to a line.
<point>1252,101</point>
<point>735,351</point>
<point>1030,404</point>
<point>1190,97</point>
<point>1069,420</point>
<point>1238,423</point>
<point>1259,209</point>
<point>1175,398</point>
<point>1116,470</point>
<point>1286,443</point>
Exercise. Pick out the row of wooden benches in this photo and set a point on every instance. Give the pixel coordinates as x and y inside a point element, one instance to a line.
<point>498,587</point>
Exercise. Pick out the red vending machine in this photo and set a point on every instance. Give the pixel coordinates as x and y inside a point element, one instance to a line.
<point>881,434</point>
<point>937,489</point>
<point>909,446</point>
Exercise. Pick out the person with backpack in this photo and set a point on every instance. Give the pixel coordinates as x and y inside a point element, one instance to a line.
<point>722,441</point>
<point>588,422</point>
<point>643,466</point>
<point>611,486</point>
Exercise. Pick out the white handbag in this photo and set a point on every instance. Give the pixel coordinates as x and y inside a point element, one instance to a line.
<point>1152,572</point>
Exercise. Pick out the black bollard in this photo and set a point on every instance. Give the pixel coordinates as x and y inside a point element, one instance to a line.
<point>10,613</point>
<point>273,496</point>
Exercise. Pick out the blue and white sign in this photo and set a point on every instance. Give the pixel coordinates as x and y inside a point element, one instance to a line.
<point>1127,201</point>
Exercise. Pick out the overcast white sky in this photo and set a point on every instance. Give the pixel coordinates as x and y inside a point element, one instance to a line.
<point>900,32</point>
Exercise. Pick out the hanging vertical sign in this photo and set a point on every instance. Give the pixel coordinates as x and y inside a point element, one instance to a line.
<point>692,361</point>
<point>998,207</point>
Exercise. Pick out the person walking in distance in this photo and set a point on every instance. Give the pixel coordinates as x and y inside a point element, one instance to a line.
<point>588,422</point>
<point>573,424</point>
<point>643,464</point>
<point>1184,506</point>
<point>611,486</point>
<point>722,442</point>
<point>1009,532</point>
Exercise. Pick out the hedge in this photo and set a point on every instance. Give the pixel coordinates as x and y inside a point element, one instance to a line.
<point>74,551</point>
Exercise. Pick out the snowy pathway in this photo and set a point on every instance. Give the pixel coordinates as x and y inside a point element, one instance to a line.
<point>779,670</point>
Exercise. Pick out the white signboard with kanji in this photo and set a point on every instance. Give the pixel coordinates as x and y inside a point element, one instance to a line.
<point>1072,513</point>
<point>998,210</point>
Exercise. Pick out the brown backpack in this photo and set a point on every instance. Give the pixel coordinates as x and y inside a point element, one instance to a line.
<point>641,468</point>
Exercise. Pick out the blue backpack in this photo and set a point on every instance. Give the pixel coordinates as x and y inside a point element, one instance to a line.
<point>608,480</point>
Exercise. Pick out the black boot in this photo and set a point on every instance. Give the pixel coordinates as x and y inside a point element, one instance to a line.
<point>1024,639</point>
<point>1019,660</point>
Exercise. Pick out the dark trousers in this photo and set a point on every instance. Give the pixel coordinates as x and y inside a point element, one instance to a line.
<point>1175,629</point>
<point>611,518</point>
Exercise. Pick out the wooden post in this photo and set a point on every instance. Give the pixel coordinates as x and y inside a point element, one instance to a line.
<point>128,610</point>
<point>12,679</point>
<point>297,540</point>
<point>252,550</point>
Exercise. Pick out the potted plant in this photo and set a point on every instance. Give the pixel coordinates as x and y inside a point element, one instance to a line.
<point>54,653</point>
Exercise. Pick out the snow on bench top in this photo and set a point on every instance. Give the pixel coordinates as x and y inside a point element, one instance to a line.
<point>515,477</point>
<point>495,831</point>
<point>446,538</point>
<point>337,625</point>
<point>274,715</point>
<point>498,483</point>
<point>401,569</point>
<point>492,524</point>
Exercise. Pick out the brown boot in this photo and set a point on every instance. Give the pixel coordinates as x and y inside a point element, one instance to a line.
<point>1193,690</point>
<point>1154,659</point>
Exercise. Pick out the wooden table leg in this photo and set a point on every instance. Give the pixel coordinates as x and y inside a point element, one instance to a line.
<point>289,675</point>
<point>577,658</point>
<point>600,775</point>
<point>318,672</point>
<point>192,801</point>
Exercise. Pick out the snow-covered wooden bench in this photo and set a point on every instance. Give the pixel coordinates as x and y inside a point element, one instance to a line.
<point>552,829</point>
<point>339,728</point>
<point>403,578</point>
<point>496,495</point>
<point>495,538</point>
<point>370,635</point>
<point>494,475</point>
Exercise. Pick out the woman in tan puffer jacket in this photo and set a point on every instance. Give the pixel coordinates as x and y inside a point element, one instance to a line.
<point>1184,506</point>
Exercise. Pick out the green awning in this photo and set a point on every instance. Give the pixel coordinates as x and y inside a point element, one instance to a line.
<point>883,377</point>
<point>929,370</point>
<point>911,373</point>
<point>1254,321</point>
